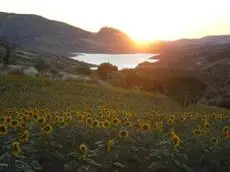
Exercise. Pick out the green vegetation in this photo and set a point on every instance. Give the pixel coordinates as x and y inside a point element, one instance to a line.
<point>184,87</point>
<point>42,65</point>
<point>54,125</point>
<point>60,95</point>
<point>151,121</point>
<point>104,69</point>
<point>8,48</point>
<point>83,70</point>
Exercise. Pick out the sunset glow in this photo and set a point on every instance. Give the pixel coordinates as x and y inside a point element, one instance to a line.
<point>142,20</point>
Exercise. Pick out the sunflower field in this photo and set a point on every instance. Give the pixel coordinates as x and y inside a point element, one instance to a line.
<point>65,126</point>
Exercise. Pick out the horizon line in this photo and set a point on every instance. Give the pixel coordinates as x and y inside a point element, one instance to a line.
<point>106,26</point>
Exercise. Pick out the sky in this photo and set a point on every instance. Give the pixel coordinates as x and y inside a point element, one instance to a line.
<point>142,20</point>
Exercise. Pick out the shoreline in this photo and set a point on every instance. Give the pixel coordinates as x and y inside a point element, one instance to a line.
<point>95,63</point>
<point>155,57</point>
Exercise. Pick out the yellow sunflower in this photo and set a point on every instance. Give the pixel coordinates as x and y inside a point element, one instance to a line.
<point>62,124</point>
<point>96,123</point>
<point>31,113</point>
<point>89,121</point>
<point>206,124</point>
<point>61,119</point>
<point>47,129</point>
<point>196,132</point>
<point>24,136</point>
<point>160,125</point>
<point>170,121</point>
<point>16,148</point>
<point>128,123</point>
<point>106,124</point>
<point>182,118</point>
<point>115,121</point>
<point>80,117</point>
<point>225,129</point>
<point>123,133</point>
<point>3,129</point>
<point>175,139</point>
<point>14,123</point>
<point>226,134</point>
<point>68,119</point>
<point>83,150</point>
<point>49,116</point>
<point>145,127</point>
<point>7,119</point>
<point>41,120</point>
<point>214,140</point>
<point>109,145</point>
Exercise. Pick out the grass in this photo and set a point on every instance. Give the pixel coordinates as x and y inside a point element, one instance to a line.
<point>58,95</point>
<point>54,125</point>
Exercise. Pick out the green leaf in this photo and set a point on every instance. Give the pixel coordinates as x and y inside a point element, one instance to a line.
<point>118,164</point>
<point>92,162</point>
<point>35,165</point>
<point>155,165</point>
<point>186,168</point>
<point>3,165</point>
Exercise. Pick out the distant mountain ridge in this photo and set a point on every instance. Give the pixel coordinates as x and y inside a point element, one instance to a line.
<point>207,40</point>
<point>39,33</point>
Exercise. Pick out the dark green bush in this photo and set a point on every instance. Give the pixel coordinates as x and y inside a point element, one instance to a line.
<point>41,64</point>
<point>185,90</point>
<point>117,79</point>
<point>17,72</point>
<point>225,103</point>
<point>84,70</point>
<point>104,69</point>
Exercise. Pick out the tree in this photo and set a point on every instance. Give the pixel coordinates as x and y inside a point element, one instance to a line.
<point>8,48</point>
<point>104,69</point>
<point>185,90</point>
<point>132,78</point>
<point>117,79</point>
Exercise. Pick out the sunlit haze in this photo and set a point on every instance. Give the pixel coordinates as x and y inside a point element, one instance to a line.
<point>142,20</point>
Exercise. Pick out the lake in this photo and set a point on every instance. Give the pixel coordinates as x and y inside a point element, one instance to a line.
<point>120,60</point>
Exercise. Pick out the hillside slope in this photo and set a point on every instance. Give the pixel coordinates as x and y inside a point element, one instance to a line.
<point>210,61</point>
<point>60,95</point>
<point>54,36</point>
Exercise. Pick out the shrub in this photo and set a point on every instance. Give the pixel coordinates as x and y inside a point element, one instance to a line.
<point>117,79</point>
<point>41,64</point>
<point>132,78</point>
<point>54,72</point>
<point>84,70</point>
<point>185,90</point>
<point>17,72</point>
<point>104,69</point>
<point>225,103</point>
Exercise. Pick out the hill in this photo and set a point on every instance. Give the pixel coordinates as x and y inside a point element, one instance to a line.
<point>46,35</point>
<point>68,126</point>
<point>53,36</point>
<point>208,57</point>
<point>207,40</point>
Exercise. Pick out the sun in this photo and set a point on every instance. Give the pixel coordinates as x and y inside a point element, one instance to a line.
<point>142,37</point>
<point>152,33</point>
<point>146,35</point>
